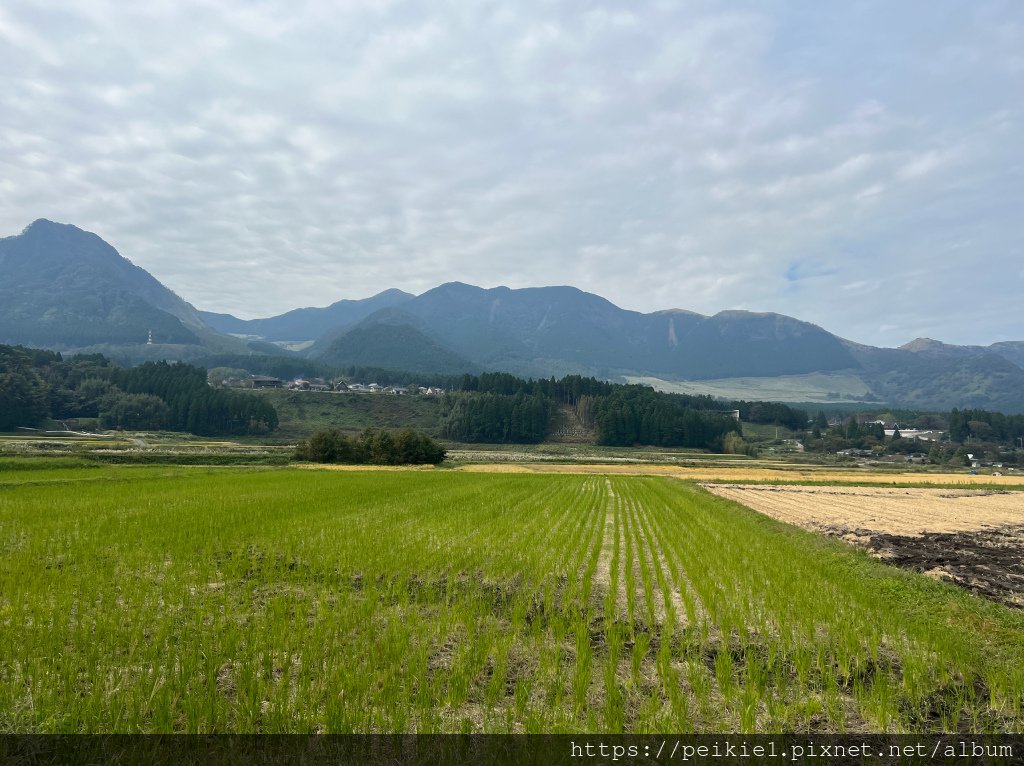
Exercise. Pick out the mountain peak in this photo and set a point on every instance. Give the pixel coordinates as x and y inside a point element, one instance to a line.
<point>923,344</point>
<point>46,225</point>
<point>66,287</point>
<point>392,292</point>
<point>45,222</point>
<point>54,238</point>
<point>457,287</point>
<point>930,346</point>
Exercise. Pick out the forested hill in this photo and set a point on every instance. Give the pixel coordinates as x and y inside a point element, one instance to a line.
<point>36,385</point>
<point>499,407</point>
<point>67,287</point>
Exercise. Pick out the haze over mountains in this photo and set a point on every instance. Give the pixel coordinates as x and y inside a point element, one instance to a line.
<point>64,288</point>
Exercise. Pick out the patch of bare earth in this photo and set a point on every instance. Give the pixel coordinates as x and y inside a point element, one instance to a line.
<point>972,538</point>
<point>603,574</point>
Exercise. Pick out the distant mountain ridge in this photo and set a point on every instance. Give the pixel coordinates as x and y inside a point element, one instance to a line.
<point>64,288</point>
<point>559,330</point>
<point>306,323</point>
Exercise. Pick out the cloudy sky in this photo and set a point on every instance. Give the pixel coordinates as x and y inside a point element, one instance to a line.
<point>857,164</point>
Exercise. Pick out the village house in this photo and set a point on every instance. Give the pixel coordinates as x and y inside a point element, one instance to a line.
<point>265,381</point>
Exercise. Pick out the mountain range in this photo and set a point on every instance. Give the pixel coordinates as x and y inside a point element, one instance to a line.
<point>64,288</point>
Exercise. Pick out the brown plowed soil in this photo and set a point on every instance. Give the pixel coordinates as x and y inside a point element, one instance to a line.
<point>989,563</point>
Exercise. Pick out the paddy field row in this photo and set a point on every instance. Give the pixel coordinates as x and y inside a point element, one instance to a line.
<point>283,600</point>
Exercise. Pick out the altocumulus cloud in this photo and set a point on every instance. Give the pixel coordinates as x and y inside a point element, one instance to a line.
<point>857,165</point>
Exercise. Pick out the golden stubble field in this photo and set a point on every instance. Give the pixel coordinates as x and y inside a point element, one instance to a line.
<point>743,474</point>
<point>911,511</point>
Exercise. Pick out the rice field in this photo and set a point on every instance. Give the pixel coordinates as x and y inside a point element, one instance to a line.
<point>226,600</point>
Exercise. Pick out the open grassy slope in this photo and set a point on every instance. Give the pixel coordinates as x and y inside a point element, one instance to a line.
<point>301,413</point>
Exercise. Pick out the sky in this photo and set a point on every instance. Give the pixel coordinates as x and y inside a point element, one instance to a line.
<point>859,165</point>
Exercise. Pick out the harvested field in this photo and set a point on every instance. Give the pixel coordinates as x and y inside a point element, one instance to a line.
<point>761,474</point>
<point>910,511</point>
<point>973,538</point>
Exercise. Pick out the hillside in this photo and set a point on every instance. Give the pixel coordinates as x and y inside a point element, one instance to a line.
<point>942,378</point>
<point>393,347</point>
<point>302,413</point>
<point>1011,351</point>
<point>66,287</point>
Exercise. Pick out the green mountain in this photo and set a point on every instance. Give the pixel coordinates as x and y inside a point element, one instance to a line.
<point>64,287</point>
<point>933,375</point>
<point>1011,351</point>
<point>559,330</point>
<point>393,347</point>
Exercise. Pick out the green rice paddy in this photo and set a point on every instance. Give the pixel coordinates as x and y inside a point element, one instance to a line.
<point>155,599</point>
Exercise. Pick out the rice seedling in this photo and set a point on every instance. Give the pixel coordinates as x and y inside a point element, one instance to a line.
<point>209,600</point>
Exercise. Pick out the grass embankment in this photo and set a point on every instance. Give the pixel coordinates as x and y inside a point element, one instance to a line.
<point>163,448</point>
<point>288,601</point>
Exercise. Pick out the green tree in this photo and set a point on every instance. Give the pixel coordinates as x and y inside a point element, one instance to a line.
<point>24,399</point>
<point>134,412</point>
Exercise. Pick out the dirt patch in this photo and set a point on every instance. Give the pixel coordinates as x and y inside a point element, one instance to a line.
<point>603,573</point>
<point>989,563</point>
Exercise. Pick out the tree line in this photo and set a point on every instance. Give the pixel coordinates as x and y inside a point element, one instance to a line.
<point>640,415</point>
<point>36,385</point>
<point>485,417</point>
<point>371,447</point>
<point>985,425</point>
